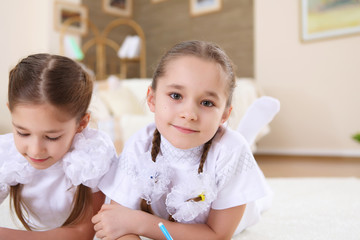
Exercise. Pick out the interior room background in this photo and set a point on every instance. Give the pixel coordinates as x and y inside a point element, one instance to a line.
<point>317,82</point>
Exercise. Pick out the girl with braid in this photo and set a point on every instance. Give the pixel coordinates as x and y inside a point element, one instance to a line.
<point>187,170</point>
<point>52,162</point>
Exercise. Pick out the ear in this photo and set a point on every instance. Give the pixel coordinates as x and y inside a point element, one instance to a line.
<point>7,104</point>
<point>226,114</point>
<point>150,98</point>
<point>83,123</point>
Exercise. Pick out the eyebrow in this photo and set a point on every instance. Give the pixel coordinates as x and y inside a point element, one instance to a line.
<point>208,93</point>
<point>177,86</point>
<point>22,128</point>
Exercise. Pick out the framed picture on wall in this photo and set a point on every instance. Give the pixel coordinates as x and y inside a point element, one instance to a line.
<point>122,8</point>
<point>77,12</point>
<point>329,18</point>
<point>201,7</point>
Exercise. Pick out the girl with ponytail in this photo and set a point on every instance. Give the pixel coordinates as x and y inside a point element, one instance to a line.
<point>186,170</point>
<point>52,162</point>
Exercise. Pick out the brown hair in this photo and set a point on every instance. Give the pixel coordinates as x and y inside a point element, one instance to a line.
<point>63,83</point>
<point>201,49</point>
<point>204,50</point>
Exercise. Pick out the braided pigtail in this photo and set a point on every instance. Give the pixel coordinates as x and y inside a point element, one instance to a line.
<point>201,166</point>
<point>155,145</point>
<point>204,155</point>
<point>144,206</point>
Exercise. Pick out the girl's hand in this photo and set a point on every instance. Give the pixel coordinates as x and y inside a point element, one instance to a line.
<point>112,221</point>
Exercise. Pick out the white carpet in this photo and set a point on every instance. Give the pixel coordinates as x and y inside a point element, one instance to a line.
<point>310,208</point>
<point>303,208</point>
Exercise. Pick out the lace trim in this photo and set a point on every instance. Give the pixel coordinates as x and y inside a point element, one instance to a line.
<point>153,179</point>
<point>192,155</point>
<point>178,200</point>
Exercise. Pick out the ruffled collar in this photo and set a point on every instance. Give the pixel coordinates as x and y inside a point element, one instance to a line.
<point>154,180</point>
<point>14,168</point>
<point>176,155</point>
<point>89,158</point>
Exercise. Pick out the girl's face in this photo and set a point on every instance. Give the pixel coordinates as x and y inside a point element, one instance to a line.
<point>43,133</point>
<point>189,102</point>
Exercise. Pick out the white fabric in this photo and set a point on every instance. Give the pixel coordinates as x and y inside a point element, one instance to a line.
<point>48,193</point>
<point>231,177</point>
<point>130,47</point>
<point>260,113</point>
<point>122,53</point>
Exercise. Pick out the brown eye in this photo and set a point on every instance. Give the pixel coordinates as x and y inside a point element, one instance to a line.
<point>175,96</point>
<point>207,103</point>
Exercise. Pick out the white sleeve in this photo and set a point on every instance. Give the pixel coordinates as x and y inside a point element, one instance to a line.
<point>118,183</point>
<point>239,179</point>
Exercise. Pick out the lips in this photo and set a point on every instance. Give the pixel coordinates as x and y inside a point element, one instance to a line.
<point>184,130</point>
<point>38,160</point>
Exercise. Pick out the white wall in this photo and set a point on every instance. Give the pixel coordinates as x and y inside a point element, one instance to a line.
<point>318,84</point>
<point>26,28</point>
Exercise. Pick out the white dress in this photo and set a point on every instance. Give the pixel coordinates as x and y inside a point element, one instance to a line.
<point>48,194</point>
<point>231,177</point>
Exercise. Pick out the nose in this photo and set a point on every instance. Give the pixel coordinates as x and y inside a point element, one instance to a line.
<point>36,148</point>
<point>189,112</point>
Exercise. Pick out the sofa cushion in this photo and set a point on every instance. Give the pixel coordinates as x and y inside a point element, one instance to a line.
<point>121,101</point>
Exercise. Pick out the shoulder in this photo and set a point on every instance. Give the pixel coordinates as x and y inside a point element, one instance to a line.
<point>141,141</point>
<point>230,154</point>
<point>229,141</point>
<point>120,183</point>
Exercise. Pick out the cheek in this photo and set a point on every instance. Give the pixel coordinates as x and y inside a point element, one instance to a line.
<point>162,107</point>
<point>19,143</point>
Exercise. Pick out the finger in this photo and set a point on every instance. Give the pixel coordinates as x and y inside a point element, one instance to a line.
<point>100,235</point>
<point>97,227</point>
<point>105,207</point>
<point>95,219</point>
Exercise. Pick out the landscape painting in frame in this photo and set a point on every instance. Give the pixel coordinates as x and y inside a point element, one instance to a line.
<point>121,8</point>
<point>200,7</point>
<point>329,18</point>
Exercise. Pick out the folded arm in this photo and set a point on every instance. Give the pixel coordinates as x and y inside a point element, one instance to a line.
<point>114,221</point>
<point>81,231</point>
